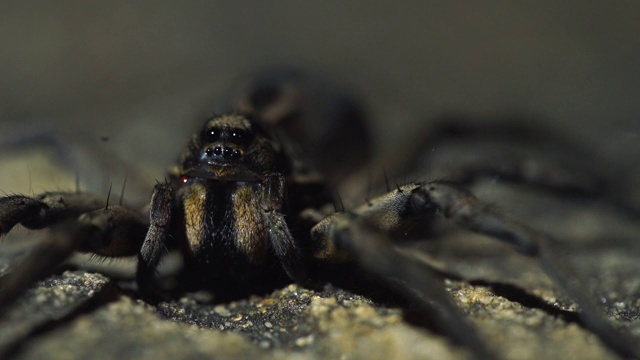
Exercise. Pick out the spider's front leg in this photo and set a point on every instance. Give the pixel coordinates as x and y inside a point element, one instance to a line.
<point>283,244</point>
<point>366,237</point>
<point>162,217</point>
<point>44,210</point>
<point>462,207</point>
<point>391,213</point>
<point>77,222</point>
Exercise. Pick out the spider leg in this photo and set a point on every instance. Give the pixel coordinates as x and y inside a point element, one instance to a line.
<point>399,211</point>
<point>462,207</point>
<point>464,153</point>
<point>155,243</point>
<point>46,209</point>
<point>348,235</point>
<point>283,244</point>
<point>533,172</point>
<point>110,232</point>
<point>39,263</point>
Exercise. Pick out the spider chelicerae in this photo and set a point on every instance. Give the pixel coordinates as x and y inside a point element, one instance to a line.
<point>247,214</point>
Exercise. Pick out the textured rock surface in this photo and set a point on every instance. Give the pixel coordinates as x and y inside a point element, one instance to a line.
<point>55,320</point>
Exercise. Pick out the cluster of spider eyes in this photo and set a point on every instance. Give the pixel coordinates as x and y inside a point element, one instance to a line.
<point>236,136</point>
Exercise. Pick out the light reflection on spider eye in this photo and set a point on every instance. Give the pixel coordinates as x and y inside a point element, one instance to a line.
<point>212,135</point>
<point>240,136</point>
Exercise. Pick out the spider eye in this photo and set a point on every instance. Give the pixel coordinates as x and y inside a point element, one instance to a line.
<point>212,135</point>
<point>240,137</point>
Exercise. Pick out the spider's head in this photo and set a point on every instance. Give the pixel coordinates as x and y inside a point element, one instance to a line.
<point>225,140</point>
<point>232,147</point>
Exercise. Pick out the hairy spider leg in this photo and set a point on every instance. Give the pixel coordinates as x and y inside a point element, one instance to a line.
<point>365,236</point>
<point>76,222</point>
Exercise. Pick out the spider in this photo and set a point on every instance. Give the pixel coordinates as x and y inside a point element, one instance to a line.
<point>246,218</point>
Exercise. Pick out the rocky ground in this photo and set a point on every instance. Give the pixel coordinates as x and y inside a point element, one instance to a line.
<point>78,315</point>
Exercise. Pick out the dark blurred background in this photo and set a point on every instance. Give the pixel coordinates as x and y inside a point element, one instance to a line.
<point>135,78</point>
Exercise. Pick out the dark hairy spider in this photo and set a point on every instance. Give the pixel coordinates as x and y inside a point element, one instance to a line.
<point>246,218</point>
